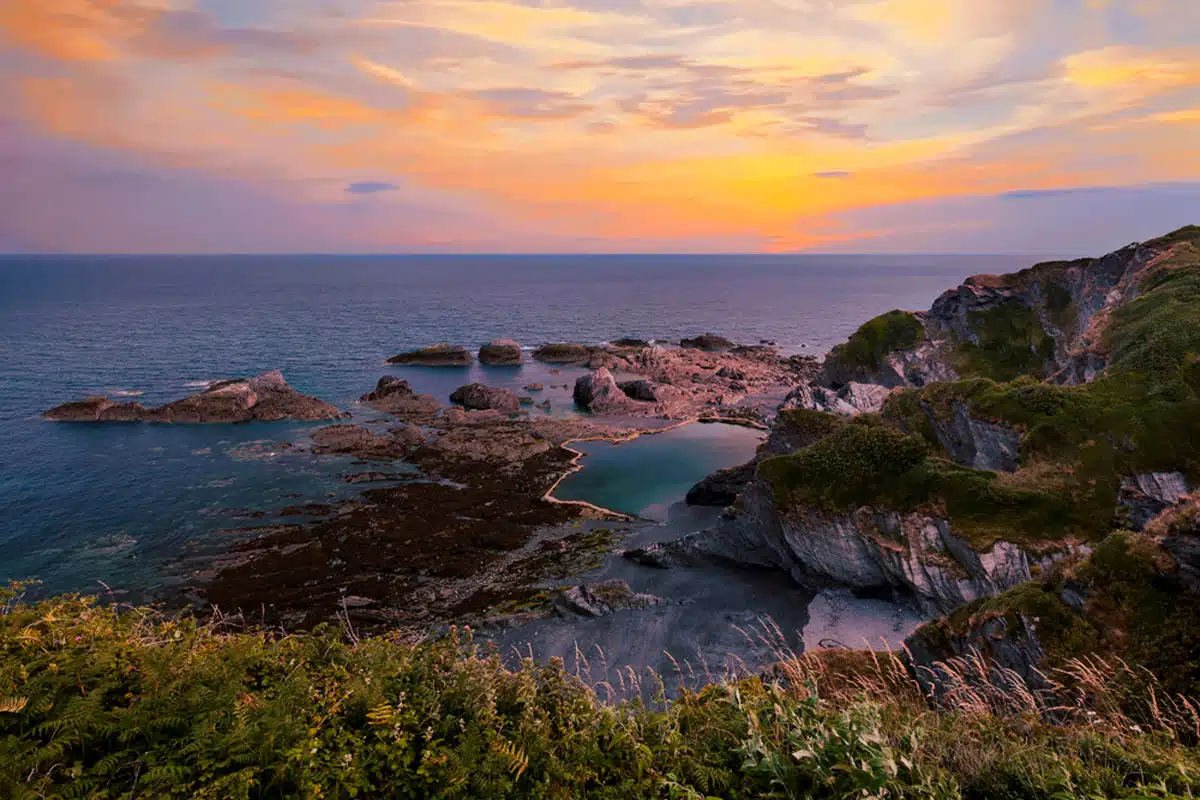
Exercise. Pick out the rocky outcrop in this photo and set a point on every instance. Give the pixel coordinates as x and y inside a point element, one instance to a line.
<point>709,342</point>
<point>480,397</point>
<point>722,487</point>
<point>563,353</point>
<point>1047,321</point>
<point>628,341</point>
<point>395,396</point>
<point>266,398</point>
<point>1149,494</point>
<point>977,443</point>
<point>599,393</point>
<point>601,599</point>
<point>847,401</point>
<point>869,549</point>
<point>500,352</point>
<point>442,354</point>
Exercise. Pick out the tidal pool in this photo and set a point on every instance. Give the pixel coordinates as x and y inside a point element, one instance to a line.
<point>647,475</point>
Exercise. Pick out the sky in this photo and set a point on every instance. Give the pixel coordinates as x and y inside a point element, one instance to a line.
<point>381,126</point>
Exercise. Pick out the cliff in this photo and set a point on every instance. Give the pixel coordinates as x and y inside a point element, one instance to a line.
<point>958,452</point>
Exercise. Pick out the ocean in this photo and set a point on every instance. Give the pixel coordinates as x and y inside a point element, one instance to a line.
<point>135,507</point>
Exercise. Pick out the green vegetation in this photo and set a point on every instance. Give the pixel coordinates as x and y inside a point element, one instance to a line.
<point>1010,342</point>
<point>1133,608</point>
<point>803,427</point>
<point>100,704</point>
<point>871,343</point>
<point>870,463</point>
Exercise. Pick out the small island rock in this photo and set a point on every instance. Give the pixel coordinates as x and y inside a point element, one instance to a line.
<point>501,352</point>
<point>480,397</point>
<point>442,354</point>
<point>599,393</point>
<point>563,353</point>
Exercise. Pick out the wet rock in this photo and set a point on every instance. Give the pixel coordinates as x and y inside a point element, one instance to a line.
<point>480,397</point>
<point>601,599</point>
<point>626,341</point>
<point>709,342</point>
<point>534,387</point>
<point>654,555</point>
<point>266,398</point>
<point>441,354</point>
<point>525,400</point>
<point>544,405</point>
<point>396,396</point>
<point>500,352</point>
<point>563,353</point>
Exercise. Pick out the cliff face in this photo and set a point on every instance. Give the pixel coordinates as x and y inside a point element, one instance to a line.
<point>960,452</point>
<point>870,549</point>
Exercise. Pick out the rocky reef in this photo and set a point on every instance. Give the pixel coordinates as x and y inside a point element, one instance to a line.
<point>266,398</point>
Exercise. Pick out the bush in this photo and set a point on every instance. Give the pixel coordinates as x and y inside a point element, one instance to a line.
<point>874,340</point>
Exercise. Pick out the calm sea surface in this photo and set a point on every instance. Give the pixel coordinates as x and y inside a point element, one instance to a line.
<point>128,504</point>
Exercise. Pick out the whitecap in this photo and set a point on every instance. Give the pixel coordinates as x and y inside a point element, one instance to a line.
<point>204,451</point>
<point>127,393</point>
<point>199,384</point>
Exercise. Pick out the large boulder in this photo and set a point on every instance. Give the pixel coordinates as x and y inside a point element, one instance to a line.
<point>599,393</point>
<point>396,396</point>
<point>644,390</point>
<point>709,342</point>
<point>563,353</point>
<point>629,341</point>
<point>266,398</point>
<point>500,352</point>
<point>480,397</point>
<point>438,355</point>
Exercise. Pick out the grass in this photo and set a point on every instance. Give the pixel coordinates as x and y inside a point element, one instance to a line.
<point>874,340</point>
<point>105,703</point>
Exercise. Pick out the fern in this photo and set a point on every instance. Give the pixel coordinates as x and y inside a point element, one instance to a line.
<point>13,705</point>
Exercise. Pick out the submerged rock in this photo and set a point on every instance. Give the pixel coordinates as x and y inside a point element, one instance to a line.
<point>500,352</point>
<point>441,354</point>
<point>266,398</point>
<point>480,397</point>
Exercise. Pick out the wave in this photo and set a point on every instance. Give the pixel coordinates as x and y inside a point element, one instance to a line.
<point>127,393</point>
<point>199,384</point>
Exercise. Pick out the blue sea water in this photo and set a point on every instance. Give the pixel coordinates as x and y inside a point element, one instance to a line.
<point>134,506</point>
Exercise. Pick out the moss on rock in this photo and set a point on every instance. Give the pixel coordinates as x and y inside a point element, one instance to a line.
<point>874,340</point>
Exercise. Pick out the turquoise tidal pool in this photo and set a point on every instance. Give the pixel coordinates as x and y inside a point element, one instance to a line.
<point>645,476</point>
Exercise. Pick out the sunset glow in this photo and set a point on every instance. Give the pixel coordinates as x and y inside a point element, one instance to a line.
<point>595,125</point>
